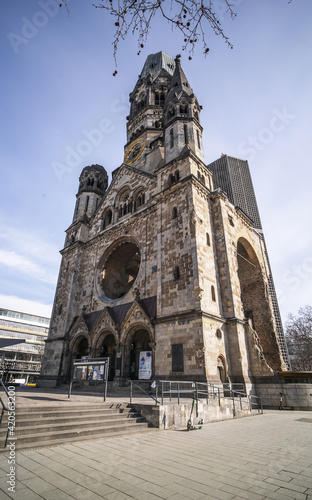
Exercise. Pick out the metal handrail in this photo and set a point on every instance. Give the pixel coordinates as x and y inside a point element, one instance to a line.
<point>209,390</point>
<point>4,408</point>
<point>144,392</point>
<point>202,390</point>
<point>179,390</point>
<point>233,394</point>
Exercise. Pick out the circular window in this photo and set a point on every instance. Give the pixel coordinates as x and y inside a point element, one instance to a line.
<point>120,270</point>
<point>219,333</point>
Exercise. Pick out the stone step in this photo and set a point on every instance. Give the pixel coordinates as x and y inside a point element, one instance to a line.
<point>59,412</point>
<point>54,442</point>
<point>21,432</point>
<point>22,426</point>
<point>41,436</point>
<point>26,421</point>
<point>66,440</point>
<point>49,425</point>
<point>69,406</point>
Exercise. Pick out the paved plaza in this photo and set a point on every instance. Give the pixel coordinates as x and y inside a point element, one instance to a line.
<point>260,457</point>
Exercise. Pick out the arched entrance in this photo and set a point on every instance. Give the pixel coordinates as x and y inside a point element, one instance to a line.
<point>138,342</point>
<point>106,349</point>
<point>80,348</point>
<point>254,296</point>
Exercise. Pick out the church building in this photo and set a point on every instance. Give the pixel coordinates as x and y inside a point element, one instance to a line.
<point>165,260</point>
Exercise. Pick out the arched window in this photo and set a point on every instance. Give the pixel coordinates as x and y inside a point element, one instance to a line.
<point>87,203</point>
<point>173,178</point>
<point>213,293</point>
<point>221,369</point>
<point>185,134</point>
<point>139,199</point>
<point>174,212</point>
<point>231,221</point>
<point>183,108</point>
<point>107,219</point>
<point>171,112</point>
<point>171,138</point>
<point>123,202</point>
<point>208,239</point>
<point>77,206</point>
<point>141,102</point>
<point>198,140</point>
<point>176,273</point>
<point>160,96</point>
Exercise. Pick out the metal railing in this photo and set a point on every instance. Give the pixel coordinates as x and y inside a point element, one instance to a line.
<point>178,389</point>
<point>3,409</point>
<point>234,392</point>
<point>133,385</point>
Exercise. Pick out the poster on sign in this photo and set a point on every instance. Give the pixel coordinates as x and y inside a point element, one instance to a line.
<point>145,365</point>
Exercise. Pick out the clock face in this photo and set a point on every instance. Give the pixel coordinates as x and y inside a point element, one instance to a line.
<point>134,151</point>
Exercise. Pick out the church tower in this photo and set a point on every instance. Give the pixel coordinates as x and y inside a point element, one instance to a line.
<point>93,183</point>
<point>161,265</point>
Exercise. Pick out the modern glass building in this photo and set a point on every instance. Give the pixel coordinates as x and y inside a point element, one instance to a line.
<point>22,341</point>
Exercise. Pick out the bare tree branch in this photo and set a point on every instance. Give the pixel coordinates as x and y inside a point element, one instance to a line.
<point>190,17</point>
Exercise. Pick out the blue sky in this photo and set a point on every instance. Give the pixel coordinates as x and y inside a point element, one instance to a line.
<point>57,87</point>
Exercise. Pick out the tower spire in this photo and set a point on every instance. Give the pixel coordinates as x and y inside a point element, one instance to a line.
<point>179,82</point>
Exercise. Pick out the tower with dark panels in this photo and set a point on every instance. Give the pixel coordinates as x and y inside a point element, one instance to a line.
<point>159,261</point>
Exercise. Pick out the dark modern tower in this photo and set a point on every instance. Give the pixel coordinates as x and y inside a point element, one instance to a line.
<point>232,175</point>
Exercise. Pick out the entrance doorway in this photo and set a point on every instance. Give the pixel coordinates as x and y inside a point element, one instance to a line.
<point>139,342</point>
<point>80,348</point>
<point>107,350</point>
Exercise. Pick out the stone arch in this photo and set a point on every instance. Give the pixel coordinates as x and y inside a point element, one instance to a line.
<point>255,300</point>
<point>123,201</point>
<point>160,95</point>
<point>137,339</point>
<point>79,346</point>
<point>104,346</point>
<point>107,218</point>
<point>118,269</point>
<point>221,369</point>
<point>139,198</point>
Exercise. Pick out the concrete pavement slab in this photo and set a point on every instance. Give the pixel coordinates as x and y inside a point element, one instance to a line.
<point>253,458</point>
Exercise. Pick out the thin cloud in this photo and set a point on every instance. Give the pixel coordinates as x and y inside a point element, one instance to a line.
<point>27,267</point>
<point>25,305</point>
<point>33,245</point>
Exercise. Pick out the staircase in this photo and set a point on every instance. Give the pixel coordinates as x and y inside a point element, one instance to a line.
<point>56,424</point>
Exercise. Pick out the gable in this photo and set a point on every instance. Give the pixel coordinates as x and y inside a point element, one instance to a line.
<point>130,186</point>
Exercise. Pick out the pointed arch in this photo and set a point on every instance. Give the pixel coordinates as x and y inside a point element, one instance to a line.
<point>256,302</point>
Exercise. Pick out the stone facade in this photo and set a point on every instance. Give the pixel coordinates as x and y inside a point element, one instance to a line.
<point>160,261</point>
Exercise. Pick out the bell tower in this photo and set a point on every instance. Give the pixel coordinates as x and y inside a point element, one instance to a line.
<point>93,183</point>
<point>145,132</point>
<point>164,115</point>
<point>182,128</point>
